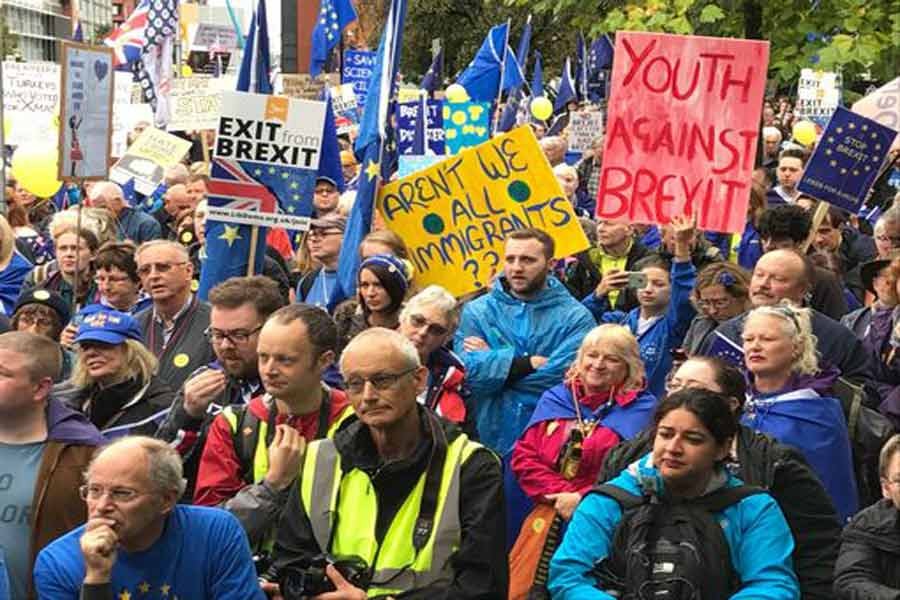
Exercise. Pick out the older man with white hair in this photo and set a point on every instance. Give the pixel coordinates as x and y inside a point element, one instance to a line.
<point>133,224</point>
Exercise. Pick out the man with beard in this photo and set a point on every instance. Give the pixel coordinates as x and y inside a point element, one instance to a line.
<point>240,306</point>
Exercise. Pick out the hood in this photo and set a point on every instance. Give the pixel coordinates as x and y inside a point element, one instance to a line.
<point>641,477</point>
<point>821,383</point>
<point>878,525</point>
<point>69,426</point>
<point>550,296</point>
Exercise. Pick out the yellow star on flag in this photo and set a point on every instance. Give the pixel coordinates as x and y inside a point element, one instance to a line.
<point>372,170</point>
<point>144,587</point>
<point>230,235</point>
<point>164,588</point>
<point>125,595</point>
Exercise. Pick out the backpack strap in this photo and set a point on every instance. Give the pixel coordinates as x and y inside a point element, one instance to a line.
<point>626,500</point>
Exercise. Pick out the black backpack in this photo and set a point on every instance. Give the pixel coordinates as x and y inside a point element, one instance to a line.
<point>670,550</point>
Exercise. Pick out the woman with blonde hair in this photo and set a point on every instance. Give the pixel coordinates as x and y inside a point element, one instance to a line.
<point>790,398</point>
<point>114,381</point>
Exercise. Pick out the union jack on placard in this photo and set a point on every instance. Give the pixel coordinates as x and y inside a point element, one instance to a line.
<point>128,39</point>
<point>231,187</point>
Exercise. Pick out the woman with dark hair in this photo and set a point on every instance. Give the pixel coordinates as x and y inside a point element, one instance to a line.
<point>685,473</point>
<point>117,278</point>
<point>39,243</point>
<point>757,459</point>
<point>722,291</point>
<point>382,285</point>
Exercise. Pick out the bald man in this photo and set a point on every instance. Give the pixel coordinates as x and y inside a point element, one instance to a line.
<point>133,224</point>
<point>176,203</point>
<point>786,275</point>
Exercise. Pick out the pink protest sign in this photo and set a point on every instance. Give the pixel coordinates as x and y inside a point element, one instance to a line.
<point>681,135</point>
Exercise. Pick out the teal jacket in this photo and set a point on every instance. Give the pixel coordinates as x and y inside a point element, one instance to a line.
<point>760,541</point>
<point>552,324</point>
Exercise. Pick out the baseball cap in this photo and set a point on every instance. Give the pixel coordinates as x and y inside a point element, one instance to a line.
<point>109,327</point>
<point>326,179</point>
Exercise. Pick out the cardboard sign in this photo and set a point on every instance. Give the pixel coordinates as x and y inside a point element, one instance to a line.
<point>357,70</point>
<point>818,95</point>
<point>584,127</point>
<point>847,160</point>
<point>407,164</point>
<point>345,107</point>
<point>883,105</point>
<point>196,103</point>
<point>306,87</point>
<point>681,130</point>
<point>454,215</point>
<point>30,101</point>
<point>147,159</point>
<point>466,125</point>
<point>214,37</point>
<point>265,161</point>
<point>420,127</point>
<point>125,114</point>
<point>85,119</point>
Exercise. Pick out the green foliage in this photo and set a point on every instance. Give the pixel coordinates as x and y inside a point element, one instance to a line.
<point>9,43</point>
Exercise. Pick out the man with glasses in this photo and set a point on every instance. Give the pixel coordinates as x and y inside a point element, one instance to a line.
<point>887,232</point>
<point>138,543</point>
<point>324,239</point>
<point>240,306</point>
<point>326,197</point>
<point>404,491</point>
<point>44,448</point>
<point>174,326</point>
<point>253,453</point>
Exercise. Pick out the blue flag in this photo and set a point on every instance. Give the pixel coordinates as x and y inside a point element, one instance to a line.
<point>600,59</point>
<point>537,78</point>
<point>435,74</point>
<point>334,15</point>
<point>513,75</point>
<point>256,62</point>
<point>565,93</point>
<point>371,148</point>
<point>847,160</point>
<point>727,350</point>
<point>482,77</point>
<point>330,156</point>
<point>581,69</point>
<point>514,102</point>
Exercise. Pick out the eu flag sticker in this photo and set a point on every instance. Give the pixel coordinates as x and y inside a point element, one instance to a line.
<point>847,160</point>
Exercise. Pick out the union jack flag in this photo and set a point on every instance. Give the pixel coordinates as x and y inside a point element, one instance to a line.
<point>127,40</point>
<point>231,187</point>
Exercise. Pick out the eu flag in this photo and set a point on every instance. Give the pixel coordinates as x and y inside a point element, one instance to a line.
<point>537,77</point>
<point>431,82</point>
<point>482,78</point>
<point>565,93</point>
<point>334,15</point>
<point>516,95</point>
<point>727,350</point>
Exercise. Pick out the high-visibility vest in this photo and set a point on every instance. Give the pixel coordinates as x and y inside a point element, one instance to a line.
<point>396,565</point>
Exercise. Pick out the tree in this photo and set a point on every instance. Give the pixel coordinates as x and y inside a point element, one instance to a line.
<point>101,32</point>
<point>9,43</point>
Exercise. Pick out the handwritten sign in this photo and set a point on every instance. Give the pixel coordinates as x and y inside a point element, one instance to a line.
<point>304,86</point>
<point>420,127</point>
<point>682,128</point>
<point>147,159</point>
<point>345,107</point>
<point>818,95</point>
<point>847,160</point>
<point>196,103</point>
<point>265,162</point>
<point>584,127</point>
<point>30,100</point>
<point>85,119</point>
<point>466,125</point>
<point>357,71</point>
<point>883,105</point>
<point>455,215</point>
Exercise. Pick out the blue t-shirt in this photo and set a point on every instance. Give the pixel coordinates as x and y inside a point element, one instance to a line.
<point>202,553</point>
<point>19,464</point>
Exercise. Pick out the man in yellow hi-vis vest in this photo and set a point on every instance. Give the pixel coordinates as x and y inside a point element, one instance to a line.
<point>400,491</point>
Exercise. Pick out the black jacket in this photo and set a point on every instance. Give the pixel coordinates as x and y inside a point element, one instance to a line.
<point>868,566</point>
<point>480,563</point>
<point>827,295</point>
<point>786,475</point>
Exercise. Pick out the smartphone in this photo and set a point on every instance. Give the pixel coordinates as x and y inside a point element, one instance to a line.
<point>637,280</point>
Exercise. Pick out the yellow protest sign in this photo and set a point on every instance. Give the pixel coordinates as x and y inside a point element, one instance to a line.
<point>454,215</point>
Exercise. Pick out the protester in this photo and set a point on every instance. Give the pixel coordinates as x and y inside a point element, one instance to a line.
<point>383,241</point>
<point>567,177</point>
<point>134,225</point>
<point>44,447</point>
<point>197,187</point>
<point>749,247</point>
<point>383,464</point>
<point>694,432</point>
<point>791,399</point>
<point>665,310</point>
<point>176,202</point>
<point>771,146</point>
<point>319,286</point>
<point>138,540</point>
<point>589,176</point>
<point>757,459</point>
<point>75,249</point>
<point>253,453</point>
<point>382,285</point>
<point>720,293</point>
<point>37,243</point>
<point>117,279</point>
<point>13,269</point>
<point>868,566</point>
<point>240,307</point>
<point>851,247</point>
<point>41,312</point>
<point>702,251</point>
<point>326,197</point>
<point>173,327</point>
<point>789,170</point>
<point>887,232</point>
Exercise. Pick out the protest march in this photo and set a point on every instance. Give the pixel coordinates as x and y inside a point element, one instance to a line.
<point>512,302</point>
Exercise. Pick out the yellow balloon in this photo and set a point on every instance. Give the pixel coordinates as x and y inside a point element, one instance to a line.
<point>804,132</point>
<point>34,167</point>
<point>456,93</point>
<point>541,108</point>
<point>186,71</point>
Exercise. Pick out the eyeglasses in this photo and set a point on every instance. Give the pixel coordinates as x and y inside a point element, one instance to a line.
<point>380,381</point>
<point>891,481</point>
<point>320,233</point>
<point>29,320</point>
<point>101,280</point>
<point>887,239</point>
<point>418,321</point>
<point>717,303</point>
<point>117,495</point>
<point>163,267</point>
<point>235,336</point>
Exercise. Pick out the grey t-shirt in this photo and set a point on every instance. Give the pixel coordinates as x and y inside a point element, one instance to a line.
<point>19,465</point>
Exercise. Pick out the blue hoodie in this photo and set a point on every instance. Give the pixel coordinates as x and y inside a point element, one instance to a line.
<point>552,324</point>
<point>754,528</point>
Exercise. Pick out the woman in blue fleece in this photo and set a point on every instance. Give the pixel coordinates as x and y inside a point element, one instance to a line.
<point>694,430</point>
<point>665,310</point>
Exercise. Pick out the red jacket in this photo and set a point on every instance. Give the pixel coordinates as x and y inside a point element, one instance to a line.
<point>219,476</point>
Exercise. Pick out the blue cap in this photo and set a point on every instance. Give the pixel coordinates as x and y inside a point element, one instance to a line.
<point>109,327</point>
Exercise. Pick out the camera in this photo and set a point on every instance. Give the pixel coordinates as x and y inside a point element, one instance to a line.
<point>308,578</point>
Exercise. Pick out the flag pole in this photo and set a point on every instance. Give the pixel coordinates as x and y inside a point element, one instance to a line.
<point>3,206</point>
<point>251,259</point>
